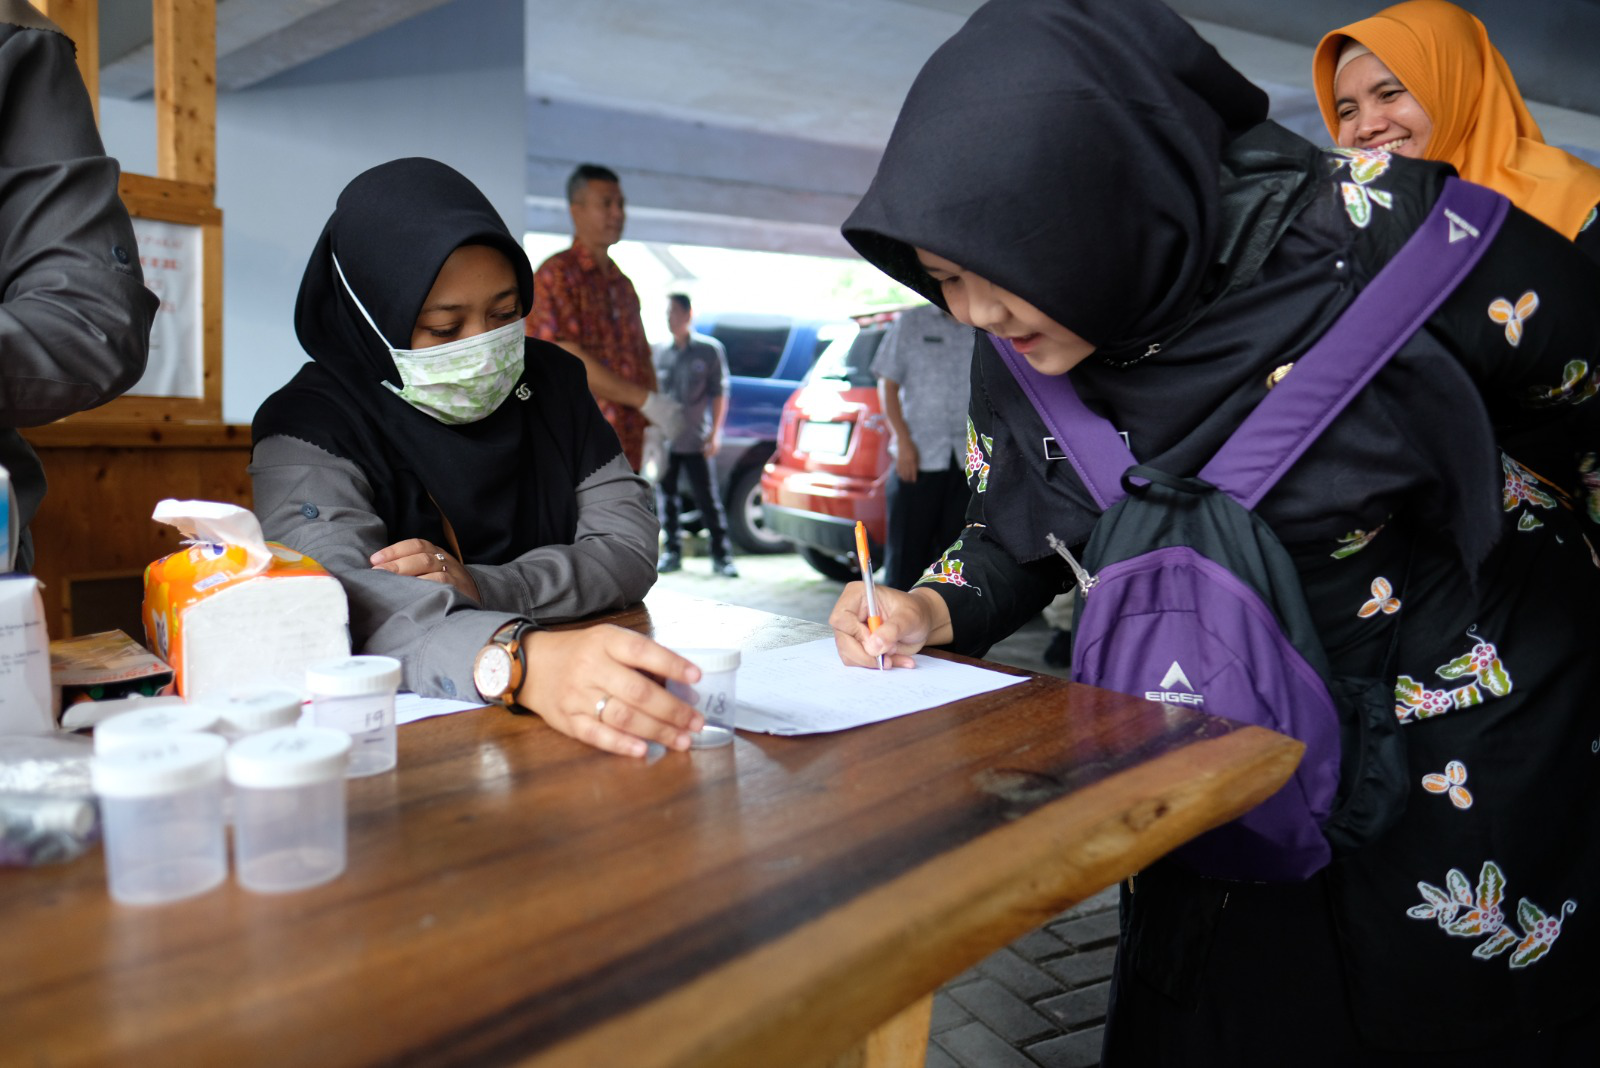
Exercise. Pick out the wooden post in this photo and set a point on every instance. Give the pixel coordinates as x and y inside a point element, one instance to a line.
<point>900,1042</point>
<point>80,20</point>
<point>186,90</point>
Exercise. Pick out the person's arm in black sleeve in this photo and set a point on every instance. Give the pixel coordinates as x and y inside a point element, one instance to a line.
<point>1526,325</point>
<point>75,316</point>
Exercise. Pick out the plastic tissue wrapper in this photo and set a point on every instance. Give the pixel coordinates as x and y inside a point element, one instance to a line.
<point>47,808</point>
<point>233,609</point>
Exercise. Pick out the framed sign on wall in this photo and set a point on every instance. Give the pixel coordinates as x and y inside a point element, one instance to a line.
<point>175,216</point>
<point>172,256</point>
<point>179,230</point>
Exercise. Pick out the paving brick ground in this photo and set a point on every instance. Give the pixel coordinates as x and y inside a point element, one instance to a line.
<point>1039,1002</point>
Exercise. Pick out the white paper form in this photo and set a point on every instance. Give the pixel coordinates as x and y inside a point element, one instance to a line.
<point>805,689</point>
<point>409,707</point>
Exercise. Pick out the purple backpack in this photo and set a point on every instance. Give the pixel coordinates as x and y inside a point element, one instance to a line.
<point>1187,597</point>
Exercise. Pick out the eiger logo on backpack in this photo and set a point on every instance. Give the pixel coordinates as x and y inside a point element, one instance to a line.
<point>1176,677</point>
<point>1459,227</point>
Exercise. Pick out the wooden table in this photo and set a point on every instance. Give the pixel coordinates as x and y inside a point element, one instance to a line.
<point>514,897</point>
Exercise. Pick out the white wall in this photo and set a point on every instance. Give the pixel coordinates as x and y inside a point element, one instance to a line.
<point>446,84</point>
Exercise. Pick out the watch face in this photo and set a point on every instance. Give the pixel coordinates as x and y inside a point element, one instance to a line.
<point>492,673</point>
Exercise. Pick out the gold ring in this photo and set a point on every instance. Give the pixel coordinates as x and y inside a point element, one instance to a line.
<point>443,566</point>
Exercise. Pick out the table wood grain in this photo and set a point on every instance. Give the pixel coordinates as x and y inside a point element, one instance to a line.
<point>515,897</point>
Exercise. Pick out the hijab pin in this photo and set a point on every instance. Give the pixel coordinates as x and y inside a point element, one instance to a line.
<point>1279,374</point>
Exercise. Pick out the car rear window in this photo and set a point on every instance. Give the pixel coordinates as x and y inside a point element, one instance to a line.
<point>849,359</point>
<point>753,352</point>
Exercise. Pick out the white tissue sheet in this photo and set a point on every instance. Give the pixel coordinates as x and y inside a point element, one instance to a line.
<point>263,632</point>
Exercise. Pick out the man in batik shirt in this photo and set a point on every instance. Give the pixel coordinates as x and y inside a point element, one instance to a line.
<point>583,302</point>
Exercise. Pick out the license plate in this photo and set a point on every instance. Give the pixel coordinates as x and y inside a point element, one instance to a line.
<point>827,439</point>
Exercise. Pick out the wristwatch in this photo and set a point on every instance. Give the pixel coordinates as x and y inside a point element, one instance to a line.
<point>498,670</point>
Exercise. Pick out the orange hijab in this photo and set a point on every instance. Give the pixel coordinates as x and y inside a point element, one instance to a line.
<point>1481,126</point>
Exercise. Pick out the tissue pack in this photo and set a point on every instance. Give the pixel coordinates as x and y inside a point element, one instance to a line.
<point>232,609</point>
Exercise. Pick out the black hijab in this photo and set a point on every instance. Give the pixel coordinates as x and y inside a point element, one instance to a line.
<point>507,482</point>
<point>1103,162</point>
<point>1137,109</point>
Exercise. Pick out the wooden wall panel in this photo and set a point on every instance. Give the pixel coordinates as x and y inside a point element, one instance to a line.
<point>104,482</point>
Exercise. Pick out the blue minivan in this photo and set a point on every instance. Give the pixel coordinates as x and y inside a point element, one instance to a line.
<point>768,355</point>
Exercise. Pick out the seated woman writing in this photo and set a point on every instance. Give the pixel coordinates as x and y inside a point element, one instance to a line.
<point>456,475</point>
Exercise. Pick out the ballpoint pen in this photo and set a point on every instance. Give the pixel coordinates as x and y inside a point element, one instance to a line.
<point>865,559</point>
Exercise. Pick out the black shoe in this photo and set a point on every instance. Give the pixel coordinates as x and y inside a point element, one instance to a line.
<point>724,567</point>
<point>1058,654</point>
<point>670,561</point>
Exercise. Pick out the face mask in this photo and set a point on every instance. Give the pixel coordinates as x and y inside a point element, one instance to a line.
<point>459,382</point>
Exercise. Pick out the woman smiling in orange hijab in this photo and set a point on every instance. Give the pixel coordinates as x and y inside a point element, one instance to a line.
<point>1422,79</point>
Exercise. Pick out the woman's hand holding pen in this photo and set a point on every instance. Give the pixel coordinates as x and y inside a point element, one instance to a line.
<point>909,621</point>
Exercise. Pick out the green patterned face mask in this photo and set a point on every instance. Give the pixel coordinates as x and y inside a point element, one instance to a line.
<point>459,382</point>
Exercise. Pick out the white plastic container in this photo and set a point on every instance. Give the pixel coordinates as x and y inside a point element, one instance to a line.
<point>161,814</point>
<point>713,696</point>
<point>289,810</point>
<point>355,694</point>
<point>144,724</point>
<point>246,712</point>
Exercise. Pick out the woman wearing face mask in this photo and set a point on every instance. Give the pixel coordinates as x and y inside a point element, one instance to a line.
<point>1422,79</point>
<point>1091,183</point>
<point>455,475</point>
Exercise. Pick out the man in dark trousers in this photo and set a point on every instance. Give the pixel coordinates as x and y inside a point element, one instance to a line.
<point>693,371</point>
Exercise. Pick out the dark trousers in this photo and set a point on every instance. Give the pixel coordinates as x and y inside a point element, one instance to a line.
<point>703,484</point>
<point>924,518</point>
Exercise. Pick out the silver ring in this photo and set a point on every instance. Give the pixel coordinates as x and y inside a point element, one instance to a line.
<point>600,707</point>
<point>443,566</point>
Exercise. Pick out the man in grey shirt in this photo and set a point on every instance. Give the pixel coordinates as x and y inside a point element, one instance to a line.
<point>924,378</point>
<point>75,323</point>
<point>693,370</point>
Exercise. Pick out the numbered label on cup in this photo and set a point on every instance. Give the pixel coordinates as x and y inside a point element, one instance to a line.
<point>714,695</point>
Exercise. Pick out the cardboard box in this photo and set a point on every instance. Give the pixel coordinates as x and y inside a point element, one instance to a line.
<point>104,667</point>
<point>233,610</point>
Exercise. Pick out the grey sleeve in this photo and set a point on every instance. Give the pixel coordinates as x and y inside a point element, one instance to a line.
<point>889,362</point>
<point>722,369</point>
<point>610,563</point>
<point>74,313</point>
<point>321,505</point>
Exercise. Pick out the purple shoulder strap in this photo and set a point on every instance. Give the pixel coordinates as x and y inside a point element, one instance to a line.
<point>1382,318</point>
<point>1091,444</point>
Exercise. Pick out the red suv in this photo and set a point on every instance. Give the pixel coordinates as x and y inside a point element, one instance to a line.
<point>832,463</point>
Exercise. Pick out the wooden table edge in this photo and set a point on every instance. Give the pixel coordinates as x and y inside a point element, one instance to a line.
<point>994,891</point>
